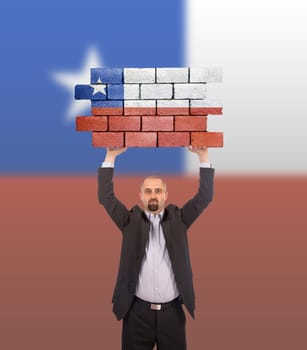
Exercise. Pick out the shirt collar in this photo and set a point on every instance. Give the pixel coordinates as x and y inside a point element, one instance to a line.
<point>149,213</point>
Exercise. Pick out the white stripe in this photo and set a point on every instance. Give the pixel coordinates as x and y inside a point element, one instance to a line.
<point>262,47</point>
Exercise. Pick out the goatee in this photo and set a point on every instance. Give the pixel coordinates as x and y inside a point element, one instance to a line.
<point>153,205</point>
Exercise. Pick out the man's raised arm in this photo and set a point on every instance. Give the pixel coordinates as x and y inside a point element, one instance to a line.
<point>193,208</point>
<point>117,211</point>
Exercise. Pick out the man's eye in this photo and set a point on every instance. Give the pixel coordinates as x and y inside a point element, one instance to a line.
<point>158,190</point>
<point>147,191</point>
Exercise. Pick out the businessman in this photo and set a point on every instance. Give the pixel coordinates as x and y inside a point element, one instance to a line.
<point>155,275</point>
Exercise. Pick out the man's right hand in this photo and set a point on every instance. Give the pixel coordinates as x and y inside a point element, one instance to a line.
<point>113,152</point>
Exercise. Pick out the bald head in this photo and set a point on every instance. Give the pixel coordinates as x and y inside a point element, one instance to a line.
<point>153,194</point>
<point>153,178</point>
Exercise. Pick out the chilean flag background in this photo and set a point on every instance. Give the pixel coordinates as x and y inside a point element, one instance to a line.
<point>59,251</point>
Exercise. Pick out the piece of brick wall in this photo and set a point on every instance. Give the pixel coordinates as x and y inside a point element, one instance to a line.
<point>124,123</point>
<point>150,107</point>
<point>158,123</point>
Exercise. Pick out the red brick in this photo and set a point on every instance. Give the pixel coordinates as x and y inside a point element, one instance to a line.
<point>172,111</point>
<point>156,123</point>
<point>91,123</point>
<point>141,139</point>
<point>207,139</point>
<point>206,110</point>
<point>124,123</point>
<point>173,139</point>
<point>139,111</point>
<point>107,139</point>
<point>190,123</point>
<point>107,111</point>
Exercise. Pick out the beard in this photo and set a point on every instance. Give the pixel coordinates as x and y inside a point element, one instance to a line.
<point>153,205</point>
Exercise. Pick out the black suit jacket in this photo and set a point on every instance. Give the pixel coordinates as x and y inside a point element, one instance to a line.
<point>134,226</point>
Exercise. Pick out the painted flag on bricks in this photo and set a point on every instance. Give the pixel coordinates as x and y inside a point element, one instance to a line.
<point>150,107</point>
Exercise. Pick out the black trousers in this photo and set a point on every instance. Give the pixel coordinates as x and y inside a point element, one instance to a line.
<point>144,327</point>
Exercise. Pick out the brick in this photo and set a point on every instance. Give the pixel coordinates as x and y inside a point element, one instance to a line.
<point>206,103</point>
<point>156,123</point>
<point>206,111</point>
<point>88,92</point>
<point>106,75</point>
<point>173,139</point>
<point>141,139</point>
<point>139,111</point>
<point>190,91</point>
<point>124,123</point>
<point>206,75</point>
<point>132,91</point>
<point>139,75</point>
<point>189,123</point>
<point>107,107</point>
<point>115,92</point>
<point>91,123</point>
<point>107,104</point>
<point>205,107</point>
<point>172,75</point>
<point>108,139</point>
<point>96,111</point>
<point>83,92</point>
<point>156,91</point>
<point>207,139</point>
<point>173,107</point>
<point>140,107</point>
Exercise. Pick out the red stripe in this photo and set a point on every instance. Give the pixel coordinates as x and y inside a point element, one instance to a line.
<point>59,255</point>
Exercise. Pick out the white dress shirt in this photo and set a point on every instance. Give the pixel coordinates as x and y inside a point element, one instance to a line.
<point>156,282</point>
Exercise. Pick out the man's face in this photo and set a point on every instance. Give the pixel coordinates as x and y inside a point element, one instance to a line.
<point>153,194</point>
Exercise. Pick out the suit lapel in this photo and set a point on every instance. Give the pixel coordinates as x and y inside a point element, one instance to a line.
<point>143,236</point>
<point>166,227</point>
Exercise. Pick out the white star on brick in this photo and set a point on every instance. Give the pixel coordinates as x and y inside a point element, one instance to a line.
<point>99,88</point>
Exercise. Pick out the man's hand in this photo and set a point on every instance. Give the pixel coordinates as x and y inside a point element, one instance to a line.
<point>202,152</point>
<point>112,153</point>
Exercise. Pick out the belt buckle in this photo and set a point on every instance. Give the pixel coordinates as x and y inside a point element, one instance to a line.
<point>156,307</point>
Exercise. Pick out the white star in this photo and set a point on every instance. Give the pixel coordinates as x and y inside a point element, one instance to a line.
<point>99,88</point>
<point>68,80</point>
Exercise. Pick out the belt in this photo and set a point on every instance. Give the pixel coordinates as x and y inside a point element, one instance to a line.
<point>156,306</point>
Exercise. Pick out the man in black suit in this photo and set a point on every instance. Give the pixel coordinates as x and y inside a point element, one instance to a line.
<point>155,275</point>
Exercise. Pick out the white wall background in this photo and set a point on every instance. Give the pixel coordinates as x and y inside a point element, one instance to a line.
<point>262,47</point>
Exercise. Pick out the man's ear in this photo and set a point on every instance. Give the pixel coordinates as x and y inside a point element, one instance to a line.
<point>166,195</point>
<point>141,196</point>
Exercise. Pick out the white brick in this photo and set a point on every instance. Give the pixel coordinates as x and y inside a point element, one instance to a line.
<point>205,103</point>
<point>140,103</point>
<point>132,91</point>
<point>206,75</point>
<point>172,75</point>
<point>173,103</point>
<point>139,75</point>
<point>190,91</point>
<point>156,91</point>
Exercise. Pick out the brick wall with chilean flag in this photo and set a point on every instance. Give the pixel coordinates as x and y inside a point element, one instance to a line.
<point>150,107</point>
<point>59,251</point>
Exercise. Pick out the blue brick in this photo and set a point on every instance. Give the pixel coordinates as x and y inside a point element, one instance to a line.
<point>85,92</point>
<point>107,75</point>
<point>115,92</point>
<point>107,104</point>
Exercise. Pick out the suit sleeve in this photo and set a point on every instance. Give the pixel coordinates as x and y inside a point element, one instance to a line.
<point>194,207</point>
<point>116,210</point>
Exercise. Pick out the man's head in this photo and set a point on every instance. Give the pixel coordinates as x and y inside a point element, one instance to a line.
<point>153,194</point>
